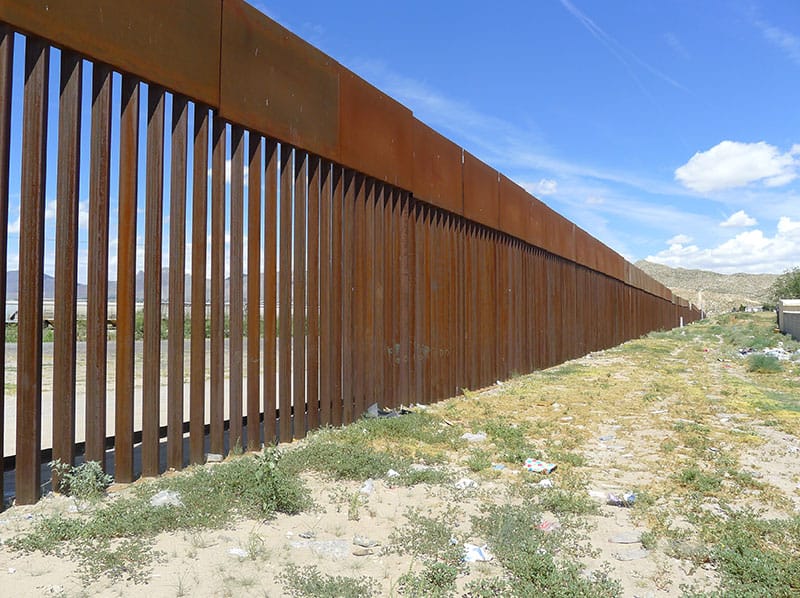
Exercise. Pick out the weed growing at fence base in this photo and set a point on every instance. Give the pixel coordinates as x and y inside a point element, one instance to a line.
<point>115,538</point>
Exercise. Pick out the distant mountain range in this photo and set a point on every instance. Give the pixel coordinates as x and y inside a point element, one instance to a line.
<point>713,292</point>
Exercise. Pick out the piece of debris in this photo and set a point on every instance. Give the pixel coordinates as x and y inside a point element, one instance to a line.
<point>546,483</point>
<point>477,554</point>
<point>392,474</point>
<point>624,500</point>
<point>359,551</point>
<point>307,535</point>
<point>238,552</point>
<point>367,487</point>
<point>166,498</point>
<point>213,458</point>
<point>470,437</point>
<point>537,466</point>
<point>548,526</point>
<point>465,483</point>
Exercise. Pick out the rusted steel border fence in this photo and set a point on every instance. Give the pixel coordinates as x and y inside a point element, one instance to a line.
<point>386,264</point>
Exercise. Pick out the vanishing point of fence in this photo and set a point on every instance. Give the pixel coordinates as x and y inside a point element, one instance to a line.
<point>354,254</point>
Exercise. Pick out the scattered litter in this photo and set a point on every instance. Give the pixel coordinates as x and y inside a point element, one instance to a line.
<point>367,487</point>
<point>307,535</point>
<point>606,437</point>
<point>498,466</point>
<point>536,466</point>
<point>548,526</point>
<point>626,538</point>
<point>374,411</point>
<point>12,570</point>
<point>568,418</point>
<point>470,437</point>
<point>359,551</point>
<point>364,542</point>
<point>392,474</point>
<point>477,554</point>
<point>166,498</point>
<point>556,405</point>
<point>27,516</point>
<point>631,555</point>
<point>465,483</point>
<point>335,549</point>
<point>546,483</point>
<point>238,552</point>
<point>626,500</point>
<point>213,458</point>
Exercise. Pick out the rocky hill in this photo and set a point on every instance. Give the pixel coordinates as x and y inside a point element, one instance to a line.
<point>712,291</point>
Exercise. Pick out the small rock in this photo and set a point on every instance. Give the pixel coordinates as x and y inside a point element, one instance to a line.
<point>631,555</point>
<point>359,551</point>
<point>392,474</point>
<point>12,570</point>
<point>546,483</point>
<point>626,538</point>
<point>470,437</point>
<point>364,542</point>
<point>419,467</point>
<point>213,458</point>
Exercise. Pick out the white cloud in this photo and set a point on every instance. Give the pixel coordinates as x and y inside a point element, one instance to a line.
<point>732,164</point>
<point>594,200</point>
<point>749,251</point>
<point>543,187</point>
<point>785,41</point>
<point>739,220</point>
<point>679,240</point>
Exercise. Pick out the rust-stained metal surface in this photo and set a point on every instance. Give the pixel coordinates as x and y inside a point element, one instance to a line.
<point>217,390</point>
<point>397,268</point>
<point>126,280</point>
<point>6,77</point>
<point>155,40</point>
<point>294,98</point>
<point>376,133</point>
<point>153,226</point>
<point>236,289</point>
<point>481,192</point>
<point>437,169</point>
<point>177,285</point>
<point>97,287</point>
<point>255,152</point>
<point>64,350</point>
<point>31,262</point>
<point>197,364</point>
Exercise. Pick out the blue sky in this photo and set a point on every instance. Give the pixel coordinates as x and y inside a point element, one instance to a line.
<point>668,129</point>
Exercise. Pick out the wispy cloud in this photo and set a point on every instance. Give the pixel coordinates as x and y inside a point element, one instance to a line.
<point>782,39</point>
<point>620,52</point>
